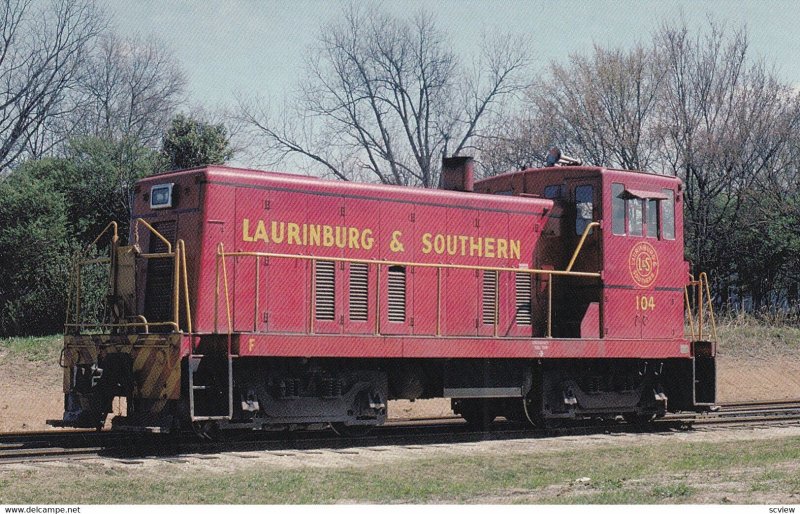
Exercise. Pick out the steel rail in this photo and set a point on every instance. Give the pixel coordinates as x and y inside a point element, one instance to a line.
<point>62,445</point>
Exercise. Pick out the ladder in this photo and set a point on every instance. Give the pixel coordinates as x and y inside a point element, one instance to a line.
<point>194,360</point>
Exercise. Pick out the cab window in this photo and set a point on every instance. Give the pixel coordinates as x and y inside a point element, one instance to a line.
<point>634,216</point>
<point>617,210</point>
<point>642,217</point>
<point>668,214</point>
<point>584,207</point>
<point>652,218</point>
<point>552,192</point>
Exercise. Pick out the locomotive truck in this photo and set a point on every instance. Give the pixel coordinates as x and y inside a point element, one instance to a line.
<point>262,300</point>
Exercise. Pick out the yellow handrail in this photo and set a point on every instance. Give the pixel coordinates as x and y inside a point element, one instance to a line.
<point>152,230</point>
<point>704,280</point>
<point>689,313</point>
<point>182,247</point>
<point>126,325</point>
<point>179,270</point>
<point>701,293</point>
<point>114,238</point>
<point>532,271</point>
<point>75,280</point>
<point>578,248</point>
<point>221,255</point>
<point>221,262</point>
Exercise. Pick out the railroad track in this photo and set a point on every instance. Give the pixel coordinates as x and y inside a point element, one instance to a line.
<point>27,447</point>
<point>56,445</point>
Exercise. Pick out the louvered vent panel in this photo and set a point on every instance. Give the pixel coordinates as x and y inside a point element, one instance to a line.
<point>397,294</point>
<point>523,282</point>
<point>160,275</point>
<point>359,284</point>
<point>325,287</point>
<point>489,297</point>
<point>166,229</point>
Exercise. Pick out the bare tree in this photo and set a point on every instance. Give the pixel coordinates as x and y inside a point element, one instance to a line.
<point>724,123</point>
<point>384,98</point>
<point>514,139</point>
<point>42,49</point>
<point>131,89</point>
<point>603,106</point>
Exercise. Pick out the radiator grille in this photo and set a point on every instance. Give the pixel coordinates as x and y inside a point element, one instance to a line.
<point>397,294</point>
<point>489,297</point>
<point>325,287</point>
<point>359,287</point>
<point>523,283</point>
<point>160,275</point>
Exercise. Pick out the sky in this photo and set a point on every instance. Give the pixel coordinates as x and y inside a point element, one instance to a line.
<point>258,47</point>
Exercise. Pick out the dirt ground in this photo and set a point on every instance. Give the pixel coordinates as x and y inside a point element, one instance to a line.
<point>30,392</point>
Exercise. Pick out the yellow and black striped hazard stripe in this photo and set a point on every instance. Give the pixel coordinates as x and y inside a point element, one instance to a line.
<point>78,351</point>
<point>156,360</point>
<point>157,367</point>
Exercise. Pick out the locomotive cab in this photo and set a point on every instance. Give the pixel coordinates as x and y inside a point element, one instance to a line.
<point>630,227</point>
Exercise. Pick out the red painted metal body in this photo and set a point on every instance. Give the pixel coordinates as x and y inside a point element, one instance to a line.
<point>293,301</point>
<point>641,301</point>
<point>272,299</point>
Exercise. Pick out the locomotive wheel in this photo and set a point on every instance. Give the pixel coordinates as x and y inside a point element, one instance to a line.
<point>478,420</point>
<point>207,430</point>
<point>532,413</point>
<point>639,419</point>
<point>478,415</point>
<point>515,413</point>
<point>343,430</point>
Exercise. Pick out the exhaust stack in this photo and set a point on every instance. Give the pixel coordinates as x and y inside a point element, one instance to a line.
<point>457,174</point>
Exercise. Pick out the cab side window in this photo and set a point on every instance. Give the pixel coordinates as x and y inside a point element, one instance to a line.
<point>652,218</point>
<point>617,210</point>
<point>552,192</point>
<point>584,206</point>
<point>668,214</point>
<point>635,216</point>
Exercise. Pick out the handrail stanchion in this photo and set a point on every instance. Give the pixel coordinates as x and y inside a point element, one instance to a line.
<point>438,301</point>
<point>713,327</point>
<point>496,301</point>
<point>312,304</point>
<point>227,293</point>
<point>182,246</point>
<point>550,306</point>
<point>258,294</point>
<point>689,312</point>
<point>378,301</point>
<point>152,230</point>
<point>578,248</point>
<point>700,307</point>
<point>176,287</point>
<point>216,288</point>
<point>78,318</point>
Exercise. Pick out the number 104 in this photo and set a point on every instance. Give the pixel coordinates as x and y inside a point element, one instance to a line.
<point>645,303</point>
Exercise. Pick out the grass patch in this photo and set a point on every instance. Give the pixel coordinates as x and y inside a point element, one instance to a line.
<point>34,349</point>
<point>746,335</point>
<point>651,473</point>
<point>679,490</point>
<point>766,481</point>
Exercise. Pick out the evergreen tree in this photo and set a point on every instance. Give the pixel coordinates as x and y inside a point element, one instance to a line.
<point>190,143</point>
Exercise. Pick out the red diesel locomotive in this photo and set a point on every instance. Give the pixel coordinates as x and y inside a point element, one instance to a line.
<point>251,299</point>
